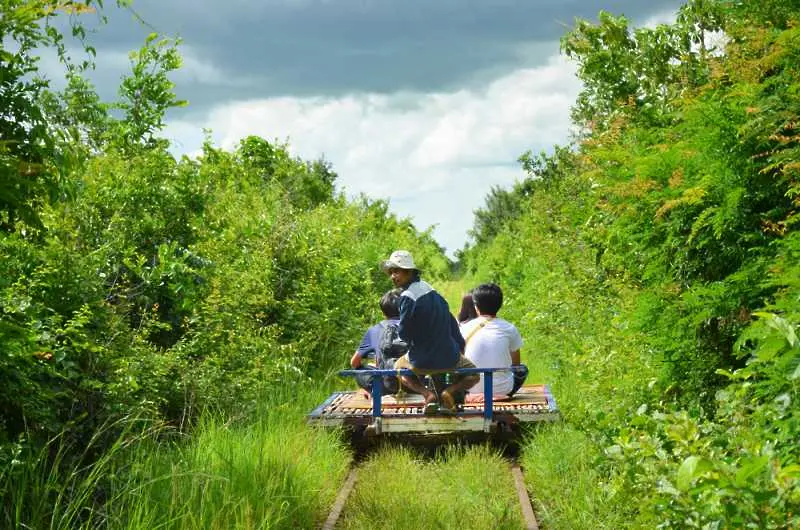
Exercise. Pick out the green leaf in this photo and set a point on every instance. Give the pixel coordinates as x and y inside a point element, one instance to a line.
<point>690,469</point>
<point>781,325</point>
<point>750,468</point>
<point>770,348</point>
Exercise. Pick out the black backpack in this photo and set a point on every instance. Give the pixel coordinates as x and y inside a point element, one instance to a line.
<point>390,347</point>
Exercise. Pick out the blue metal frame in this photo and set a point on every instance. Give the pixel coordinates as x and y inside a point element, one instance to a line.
<point>377,391</point>
<point>488,383</point>
<point>551,401</point>
<point>488,395</point>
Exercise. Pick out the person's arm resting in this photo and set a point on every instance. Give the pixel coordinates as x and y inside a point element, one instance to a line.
<point>355,360</point>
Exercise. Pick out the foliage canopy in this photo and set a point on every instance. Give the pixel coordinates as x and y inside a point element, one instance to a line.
<point>135,282</point>
<point>653,263</point>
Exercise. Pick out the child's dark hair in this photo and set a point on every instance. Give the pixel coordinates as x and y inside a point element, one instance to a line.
<point>488,297</point>
<point>390,303</point>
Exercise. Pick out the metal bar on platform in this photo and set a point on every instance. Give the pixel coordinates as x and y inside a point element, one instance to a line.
<point>408,371</point>
<point>377,390</point>
<point>551,401</point>
<point>488,395</point>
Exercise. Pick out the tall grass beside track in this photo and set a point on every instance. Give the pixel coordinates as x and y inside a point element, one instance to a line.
<point>568,492</point>
<point>273,473</point>
<point>268,472</point>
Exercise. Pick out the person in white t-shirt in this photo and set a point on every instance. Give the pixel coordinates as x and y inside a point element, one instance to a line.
<point>492,342</point>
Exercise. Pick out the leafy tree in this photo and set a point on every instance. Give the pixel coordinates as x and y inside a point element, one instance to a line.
<point>655,271</point>
<point>501,206</point>
<point>147,93</point>
<point>638,74</point>
<point>547,169</point>
<point>306,185</point>
<point>28,153</point>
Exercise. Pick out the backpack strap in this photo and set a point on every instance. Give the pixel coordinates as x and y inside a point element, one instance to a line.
<point>476,329</point>
<point>378,352</point>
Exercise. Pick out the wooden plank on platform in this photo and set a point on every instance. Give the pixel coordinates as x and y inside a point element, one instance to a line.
<point>431,424</point>
<point>403,413</point>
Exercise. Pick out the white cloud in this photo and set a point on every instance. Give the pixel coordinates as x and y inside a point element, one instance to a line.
<point>433,156</point>
<point>664,17</point>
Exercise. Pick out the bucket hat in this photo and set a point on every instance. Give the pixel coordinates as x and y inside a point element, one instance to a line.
<point>400,259</point>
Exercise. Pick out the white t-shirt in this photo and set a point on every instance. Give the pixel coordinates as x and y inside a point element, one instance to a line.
<point>491,347</point>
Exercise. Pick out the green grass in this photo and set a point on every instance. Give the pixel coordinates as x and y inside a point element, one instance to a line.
<point>61,485</point>
<point>452,291</point>
<point>567,490</point>
<point>268,471</point>
<point>275,472</point>
<point>460,488</point>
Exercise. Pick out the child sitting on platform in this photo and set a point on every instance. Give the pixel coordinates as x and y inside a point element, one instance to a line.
<point>373,352</point>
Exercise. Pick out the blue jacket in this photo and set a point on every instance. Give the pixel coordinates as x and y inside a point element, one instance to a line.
<point>429,328</point>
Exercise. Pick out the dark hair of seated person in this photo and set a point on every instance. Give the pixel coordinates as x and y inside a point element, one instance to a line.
<point>390,303</point>
<point>467,311</point>
<point>488,297</point>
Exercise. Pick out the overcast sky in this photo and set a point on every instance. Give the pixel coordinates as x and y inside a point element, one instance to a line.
<point>425,103</point>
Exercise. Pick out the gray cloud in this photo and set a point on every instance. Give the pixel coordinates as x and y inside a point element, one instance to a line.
<point>318,47</point>
<point>439,95</point>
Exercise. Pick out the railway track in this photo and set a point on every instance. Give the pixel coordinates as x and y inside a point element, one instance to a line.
<point>370,421</point>
<point>528,515</point>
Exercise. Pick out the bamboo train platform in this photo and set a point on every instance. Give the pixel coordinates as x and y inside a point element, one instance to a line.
<point>402,416</point>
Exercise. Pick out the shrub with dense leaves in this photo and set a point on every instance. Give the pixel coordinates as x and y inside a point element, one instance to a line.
<point>653,267</point>
<point>145,283</point>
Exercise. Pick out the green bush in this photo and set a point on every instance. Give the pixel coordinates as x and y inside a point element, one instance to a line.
<point>652,271</point>
<point>135,283</point>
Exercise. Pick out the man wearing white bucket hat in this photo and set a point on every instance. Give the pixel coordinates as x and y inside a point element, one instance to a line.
<point>431,331</point>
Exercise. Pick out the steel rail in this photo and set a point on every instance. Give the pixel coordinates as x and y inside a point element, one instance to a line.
<point>529,518</point>
<point>341,500</point>
<point>528,515</point>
